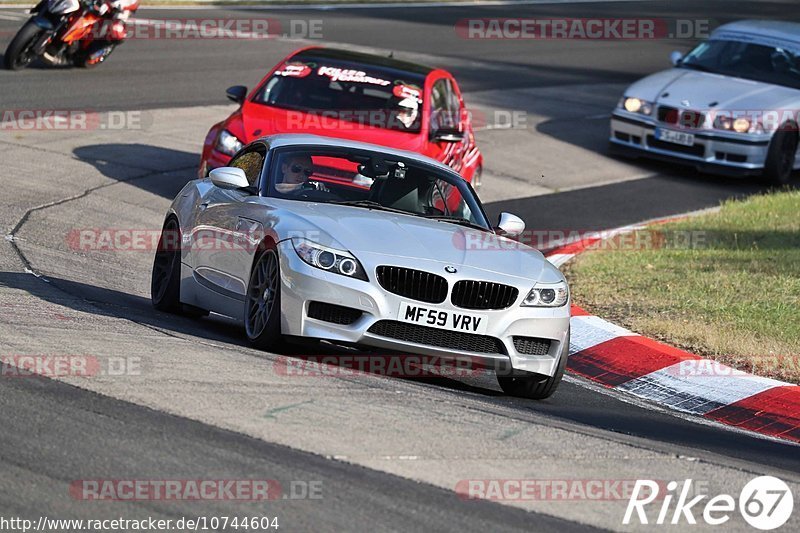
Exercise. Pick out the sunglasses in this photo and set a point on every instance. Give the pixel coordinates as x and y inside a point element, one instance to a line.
<point>299,168</point>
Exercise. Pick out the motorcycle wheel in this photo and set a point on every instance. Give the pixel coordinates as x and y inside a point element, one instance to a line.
<point>18,54</point>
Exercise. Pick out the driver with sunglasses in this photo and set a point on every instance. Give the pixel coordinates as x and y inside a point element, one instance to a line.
<point>295,173</point>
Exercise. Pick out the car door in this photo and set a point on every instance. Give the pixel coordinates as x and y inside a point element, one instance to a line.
<point>445,115</point>
<point>224,235</point>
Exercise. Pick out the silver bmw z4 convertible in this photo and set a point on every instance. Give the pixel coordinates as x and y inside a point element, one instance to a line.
<point>360,245</point>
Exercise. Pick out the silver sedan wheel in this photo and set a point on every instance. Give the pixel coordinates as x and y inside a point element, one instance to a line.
<point>262,293</point>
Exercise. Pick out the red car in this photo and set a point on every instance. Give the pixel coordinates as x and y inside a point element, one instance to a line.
<point>350,95</point>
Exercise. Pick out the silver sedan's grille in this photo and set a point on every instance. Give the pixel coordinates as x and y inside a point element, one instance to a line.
<point>441,338</point>
<point>414,284</point>
<point>470,294</point>
<point>681,117</point>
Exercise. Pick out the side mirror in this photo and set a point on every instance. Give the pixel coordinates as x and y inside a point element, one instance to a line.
<point>237,93</point>
<point>510,225</point>
<point>447,136</point>
<point>229,178</point>
<point>676,57</point>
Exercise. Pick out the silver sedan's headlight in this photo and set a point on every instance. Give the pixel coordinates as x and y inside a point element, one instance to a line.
<point>330,259</point>
<point>636,105</point>
<point>739,124</point>
<point>228,144</point>
<point>547,295</point>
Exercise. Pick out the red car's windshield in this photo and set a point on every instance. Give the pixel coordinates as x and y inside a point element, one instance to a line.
<point>333,89</point>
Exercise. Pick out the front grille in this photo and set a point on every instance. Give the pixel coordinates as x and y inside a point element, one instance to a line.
<point>471,294</point>
<point>697,150</point>
<point>681,117</point>
<point>335,314</point>
<point>531,345</point>
<point>440,338</point>
<point>414,284</point>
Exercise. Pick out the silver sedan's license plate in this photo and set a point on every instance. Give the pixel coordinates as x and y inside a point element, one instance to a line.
<point>675,137</point>
<point>443,319</point>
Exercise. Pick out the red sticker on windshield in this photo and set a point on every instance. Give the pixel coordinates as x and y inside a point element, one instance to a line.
<point>407,91</point>
<point>294,70</point>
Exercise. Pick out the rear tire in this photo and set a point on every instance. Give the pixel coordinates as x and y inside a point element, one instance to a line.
<point>535,386</point>
<point>17,54</point>
<point>781,155</point>
<point>262,312</point>
<point>165,282</point>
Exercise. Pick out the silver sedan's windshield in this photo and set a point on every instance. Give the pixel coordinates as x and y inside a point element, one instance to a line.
<point>769,64</point>
<point>372,181</point>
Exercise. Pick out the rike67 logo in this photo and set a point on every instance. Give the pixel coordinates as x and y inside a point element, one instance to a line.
<point>765,503</point>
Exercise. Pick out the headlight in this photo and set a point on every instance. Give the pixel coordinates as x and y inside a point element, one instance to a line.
<point>739,125</point>
<point>332,260</point>
<point>228,144</point>
<point>723,122</point>
<point>636,105</point>
<point>547,295</point>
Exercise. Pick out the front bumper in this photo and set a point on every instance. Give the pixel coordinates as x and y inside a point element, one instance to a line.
<point>302,284</point>
<point>718,153</point>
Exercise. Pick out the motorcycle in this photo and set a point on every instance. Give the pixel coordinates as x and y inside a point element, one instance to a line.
<point>70,32</point>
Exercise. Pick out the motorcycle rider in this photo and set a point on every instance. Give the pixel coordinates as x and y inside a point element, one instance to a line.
<point>111,12</point>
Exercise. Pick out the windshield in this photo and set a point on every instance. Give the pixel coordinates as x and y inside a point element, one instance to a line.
<point>769,64</point>
<point>343,90</point>
<point>368,181</point>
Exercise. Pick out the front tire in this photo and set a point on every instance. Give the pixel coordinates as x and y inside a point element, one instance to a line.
<point>781,156</point>
<point>18,54</point>
<point>535,386</point>
<point>262,313</point>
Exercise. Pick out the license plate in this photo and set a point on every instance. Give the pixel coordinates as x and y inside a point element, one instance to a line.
<point>675,137</point>
<point>443,319</point>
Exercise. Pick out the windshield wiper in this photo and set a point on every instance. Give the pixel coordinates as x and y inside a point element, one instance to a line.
<point>370,204</point>
<point>456,220</point>
<point>697,66</point>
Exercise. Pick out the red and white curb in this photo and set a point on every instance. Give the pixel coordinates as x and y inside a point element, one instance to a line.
<point>624,361</point>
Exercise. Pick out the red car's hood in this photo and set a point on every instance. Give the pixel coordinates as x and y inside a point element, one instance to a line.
<point>260,120</point>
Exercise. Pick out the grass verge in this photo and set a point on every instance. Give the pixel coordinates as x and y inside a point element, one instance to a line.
<point>724,285</point>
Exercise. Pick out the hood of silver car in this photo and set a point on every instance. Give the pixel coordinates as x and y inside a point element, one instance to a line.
<point>365,231</point>
<point>688,89</point>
